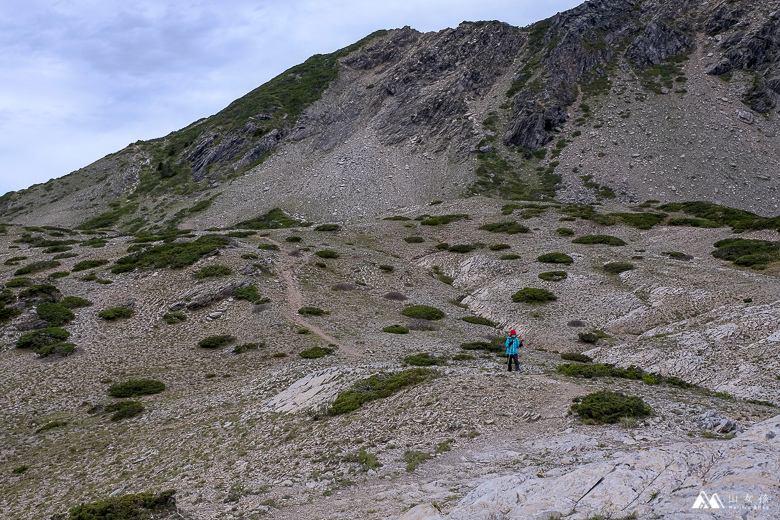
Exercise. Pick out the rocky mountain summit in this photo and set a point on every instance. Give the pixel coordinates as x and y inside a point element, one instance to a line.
<point>296,308</point>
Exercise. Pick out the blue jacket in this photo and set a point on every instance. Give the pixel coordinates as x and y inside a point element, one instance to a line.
<point>511,345</point>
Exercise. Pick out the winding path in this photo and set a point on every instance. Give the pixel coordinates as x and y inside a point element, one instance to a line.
<point>295,300</point>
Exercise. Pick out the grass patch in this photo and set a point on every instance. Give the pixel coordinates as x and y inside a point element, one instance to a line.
<point>213,270</point>
<point>739,220</point>
<point>51,425</point>
<point>424,360</point>
<point>316,352</point>
<point>327,227</point>
<point>88,264</point>
<point>20,469</point>
<point>573,356</point>
<point>172,318</point>
<point>511,228</point>
<point>18,282</point>
<point>599,239</point>
<point>241,234</point>
<point>423,312</point>
<point>565,232</point>
<point>746,252</point>
<point>510,256</point>
<point>327,253</point>
<point>555,258</point>
<point>312,311</point>
<point>478,320</point>
<point>533,295</point>
<point>268,247</point>
<point>462,248</point>
<point>274,219</point>
<point>15,260</point>
<point>553,276</point>
<point>113,313</point>
<point>37,267</point>
<point>639,220</point>
<point>124,410</point>
<point>54,314</point>
<point>59,274</point>
<point>414,240</point>
<point>396,329</point>
<point>250,294</point>
<point>609,407</point>
<point>499,247</point>
<point>617,267</point>
<point>74,302</point>
<point>43,292</point>
<point>376,387</point>
<point>136,387</point>
<point>61,349</point>
<point>415,458</point>
<point>173,255</point>
<point>443,219</point>
<point>142,506</point>
<point>216,341</point>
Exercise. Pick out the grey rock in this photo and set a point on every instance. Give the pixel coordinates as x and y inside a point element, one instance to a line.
<point>205,294</point>
<point>29,321</point>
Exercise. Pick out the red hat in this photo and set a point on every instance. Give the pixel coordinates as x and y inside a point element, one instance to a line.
<point>512,333</point>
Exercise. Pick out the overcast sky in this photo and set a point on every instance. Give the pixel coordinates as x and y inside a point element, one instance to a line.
<point>80,79</point>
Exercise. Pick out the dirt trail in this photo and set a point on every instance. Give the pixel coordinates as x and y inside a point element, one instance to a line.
<point>295,299</point>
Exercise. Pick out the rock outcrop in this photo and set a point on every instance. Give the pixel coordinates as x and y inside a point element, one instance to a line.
<point>660,482</point>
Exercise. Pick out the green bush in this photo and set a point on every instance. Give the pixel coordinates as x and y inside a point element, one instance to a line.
<point>478,320</point>
<point>74,302</point>
<point>573,356</point>
<point>268,247</point>
<point>555,258</point>
<point>617,267</point>
<point>7,314</point>
<point>59,274</point>
<point>327,227</point>
<point>7,297</point>
<point>639,220</point>
<point>747,252</point>
<point>553,276</point>
<point>311,311</point>
<point>500,247</point>
<point>173,255</point>
<point>216,341</point>
<point>532,295</point>
<point>423,312</point>
<point>18,282</point>
<point>20,469</point>
<point>88,264</point>
<point>136,387</point>
<point>213,270</point>
<point>61,349</point>
<point>509,257</point>
<point>424,360</point>
<point>327,253</point>
<point>293,238</point>
<point>463,357</point>
<point>64,256</point>
<point>442,219</point>
<point>608,407</point>
<point>172,318</point>
<point>599,239</point>
<point>397,217</point>
<point>565,232</point>
<point>42,337</point>
<point>44,292</point>
<point>316,352</point>
<point>386,268</point>
<point>241,234</point>
<point>274,219</point>
<point>510,228</point>
<point>588,337</point>
<point>396,329</point>
<point>15,260</point>
<point>376,387</point>
<point>54,314</point>
<point>113,313</point>
<point>127,507</point>
<point>124,409</point>
<point>414,240</point>
<point>250,294</point>
<point>37,267</point>
<point>497,346</point>
<point>461,248</point>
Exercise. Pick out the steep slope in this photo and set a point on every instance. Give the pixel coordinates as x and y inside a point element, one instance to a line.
<point>635,100</point>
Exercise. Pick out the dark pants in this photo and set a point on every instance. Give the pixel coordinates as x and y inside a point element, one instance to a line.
<point>509,362</point>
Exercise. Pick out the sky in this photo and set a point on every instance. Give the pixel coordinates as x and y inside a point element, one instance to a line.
<point>80,79</point>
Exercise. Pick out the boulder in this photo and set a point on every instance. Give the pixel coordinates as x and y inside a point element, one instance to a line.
<point>205,294</point>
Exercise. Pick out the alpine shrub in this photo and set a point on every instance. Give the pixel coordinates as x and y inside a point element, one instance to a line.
<point>124,409</point>
<point>555,258</point>
<point>599,239</point>
<point>553,276</point>
<point>113,313</point>
<point>54,314</point>
<point>423,312</point>
<point>136,387</point>
<point>213,270</point>
<point>479,320</point>
<point>573,356</point>
<point>216,341</point>
<point>316,352</point>
<point>617,267</point>
<point>396,329</point>
<point>424,360</point>
<point>42,337</point>
<point>510,228</point>
<point>533,295</point>
<point>608,407</point>
<point>88,264</point>
<point>376,387</point>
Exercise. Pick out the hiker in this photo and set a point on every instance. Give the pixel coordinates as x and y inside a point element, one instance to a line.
<point>512,344</point>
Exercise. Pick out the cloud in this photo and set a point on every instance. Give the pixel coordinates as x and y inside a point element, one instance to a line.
<point>83,78</point>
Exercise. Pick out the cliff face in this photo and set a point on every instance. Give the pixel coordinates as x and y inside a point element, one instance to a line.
<point>416,117</point>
